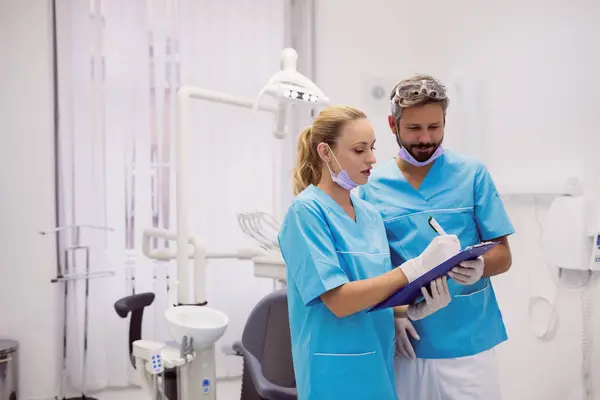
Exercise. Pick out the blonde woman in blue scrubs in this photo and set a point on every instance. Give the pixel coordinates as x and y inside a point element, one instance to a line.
<point>338,266</point>
<point>453,347</point>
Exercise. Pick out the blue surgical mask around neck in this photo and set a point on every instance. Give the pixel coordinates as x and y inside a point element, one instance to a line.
<point>342,178</point>
<point>406,156</point>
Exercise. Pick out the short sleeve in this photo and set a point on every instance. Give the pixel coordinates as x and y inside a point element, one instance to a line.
<point>490,215</point>
<point>308,249</point>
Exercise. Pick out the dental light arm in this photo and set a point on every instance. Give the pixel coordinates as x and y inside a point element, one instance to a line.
<point>281,121</point>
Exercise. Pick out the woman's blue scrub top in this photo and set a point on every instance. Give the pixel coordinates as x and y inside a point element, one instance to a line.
<point>460,194</point>
<point>323,248</point>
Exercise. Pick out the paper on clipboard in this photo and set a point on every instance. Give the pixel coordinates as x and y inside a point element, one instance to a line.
<point>411,292</point>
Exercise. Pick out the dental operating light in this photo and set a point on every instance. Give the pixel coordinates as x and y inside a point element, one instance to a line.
<point>288,87</point>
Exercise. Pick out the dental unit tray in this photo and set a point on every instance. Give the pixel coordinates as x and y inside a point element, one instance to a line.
<point>412,292</point>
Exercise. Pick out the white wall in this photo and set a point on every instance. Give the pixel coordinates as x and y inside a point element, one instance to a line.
<point>29,303</point>
<point>532,70</point>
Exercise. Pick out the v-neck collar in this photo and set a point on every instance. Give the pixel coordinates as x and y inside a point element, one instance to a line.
<point>428,186</point>
<point>331,203</point>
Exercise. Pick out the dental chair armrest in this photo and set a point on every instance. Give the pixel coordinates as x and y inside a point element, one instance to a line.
<point>265,389</point>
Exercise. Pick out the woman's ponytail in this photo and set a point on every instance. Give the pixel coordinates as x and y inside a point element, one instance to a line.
<point>308,167</point>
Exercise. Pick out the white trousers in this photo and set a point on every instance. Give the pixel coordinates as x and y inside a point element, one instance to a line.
<point>466,378</point>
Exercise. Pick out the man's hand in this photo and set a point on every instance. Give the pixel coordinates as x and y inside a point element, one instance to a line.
<point>468,272</point>
<point>404,347</point>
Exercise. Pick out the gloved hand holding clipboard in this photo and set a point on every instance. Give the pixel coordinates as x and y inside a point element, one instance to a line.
<point>412,292</point>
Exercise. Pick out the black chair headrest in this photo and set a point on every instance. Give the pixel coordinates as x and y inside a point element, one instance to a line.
<point>133,303</point>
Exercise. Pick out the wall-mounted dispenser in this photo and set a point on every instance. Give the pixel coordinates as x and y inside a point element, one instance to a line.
<point>570,237</point>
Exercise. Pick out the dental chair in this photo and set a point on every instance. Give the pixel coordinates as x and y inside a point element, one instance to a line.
<point>135,305</point>
<point>268,372</point>
<point>267,351</point>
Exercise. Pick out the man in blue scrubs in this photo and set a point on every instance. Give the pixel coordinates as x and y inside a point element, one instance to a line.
<point>453,347</point>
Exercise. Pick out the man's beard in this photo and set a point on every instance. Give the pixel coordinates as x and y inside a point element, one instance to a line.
<point>427,149</point>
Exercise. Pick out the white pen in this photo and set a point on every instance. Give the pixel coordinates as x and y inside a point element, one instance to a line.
<point>436,227</point>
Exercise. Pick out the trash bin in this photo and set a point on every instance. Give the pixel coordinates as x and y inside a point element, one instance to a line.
<point>9,369</point>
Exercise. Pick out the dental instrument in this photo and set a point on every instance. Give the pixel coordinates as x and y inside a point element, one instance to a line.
<point>252,225</point>
<point>270,264</point>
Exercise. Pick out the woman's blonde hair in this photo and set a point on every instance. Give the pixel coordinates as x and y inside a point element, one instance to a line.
<point>326,128</point>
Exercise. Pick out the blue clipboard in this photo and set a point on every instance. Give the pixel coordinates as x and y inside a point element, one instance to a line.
<point>411,292</point>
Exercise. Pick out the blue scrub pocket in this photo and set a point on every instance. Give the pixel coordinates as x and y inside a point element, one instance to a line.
<point>471,323</point>
<point>470,304</point>
<point>350,376</point>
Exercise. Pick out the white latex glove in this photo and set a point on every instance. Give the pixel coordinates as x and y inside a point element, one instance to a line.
<point>468,272</point>
<point>440,298</point>
<point>439,250</point>
<point>404,347</point>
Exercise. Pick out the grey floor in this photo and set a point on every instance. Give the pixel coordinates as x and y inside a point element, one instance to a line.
<point>226,390</point>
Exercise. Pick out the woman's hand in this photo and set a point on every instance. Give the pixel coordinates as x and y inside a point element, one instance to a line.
<point>439,250</point>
